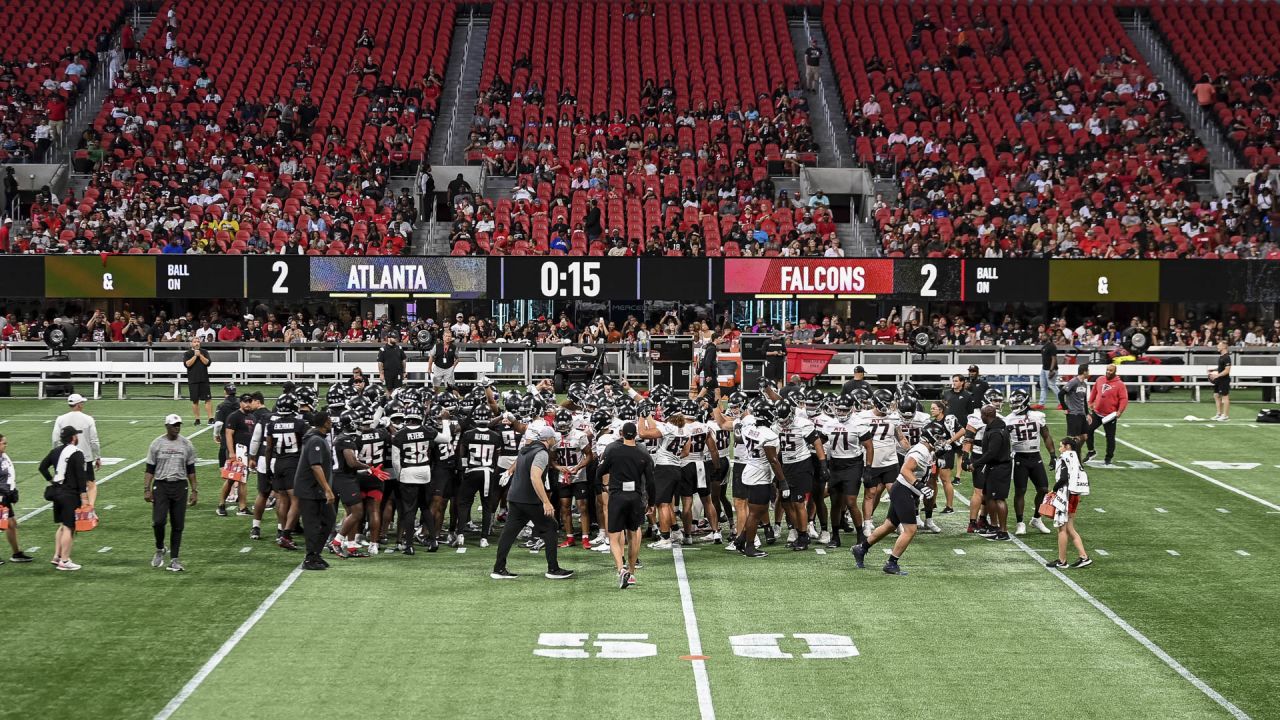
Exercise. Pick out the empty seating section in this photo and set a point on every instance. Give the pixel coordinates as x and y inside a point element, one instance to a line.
<point>1014,129</point>
<point>38,42</point>
<point>644,102</point>
<point>1235,46</point>
<point>271,111</point>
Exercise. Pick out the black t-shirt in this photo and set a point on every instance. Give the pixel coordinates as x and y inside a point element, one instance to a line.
<point>629,468</point>
<point>1048,356</point>
<point>1224,362</point>
<point>855,384</point>
<point>978,388</point>
<point>344,442</point>
<point>241,426</point>
<point>197,371</point>
<point>392,358</point>
<point>812,56</point>
<point>776,364</point>
<point>315,451</point>
<point>709,354</point>
<point>958,404</point>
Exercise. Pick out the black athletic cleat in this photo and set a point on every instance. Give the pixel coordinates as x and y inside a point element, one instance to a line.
<point>20,557</point>
<point>859,555</point>
<point>801,544</point>
<point>754,552</point>
<point>989,532</point>
<point>1055,564</point>
<point>324,562</point>
<point>835,542</point>
<point>1090,455</point>
<point>503,574</point>
<point>255,533</point>
<point>999,537</point>
<point>892,568</point>
<point>408,549</point>
<point>314,564</point>
<point>624,578</point>
<point>221,511</point>
<point>770,537</point>
<point>433,546</point>
<point>197,422</point>
<point>558,574</point>
<point>244,512</point>
<point>1083,562</point>
<point>948,510</point>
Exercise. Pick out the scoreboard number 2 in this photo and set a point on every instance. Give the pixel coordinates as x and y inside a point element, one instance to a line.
<point>930,273</point>
<point>281,269</point>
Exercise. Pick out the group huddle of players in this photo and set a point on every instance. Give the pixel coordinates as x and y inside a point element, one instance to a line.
<point>414,461</point>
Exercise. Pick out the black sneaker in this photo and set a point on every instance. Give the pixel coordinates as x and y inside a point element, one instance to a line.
<point>323,562</point>
<point>801,544</point>
<point>770,537</point>
<point>1001,537</point>
<point>433,546</point>
<point>948,510</point>
<point>989,532</point>
<point>859,555</point>
<point>1055,564</point>
<point>255,533</point>
<point>624,580</point>
<point>1090,455</point>
<point>314,564</point>
<point>503,574</point>
<point>244,512</point>
<point>221,511</point>
<point>20,557</point>
<point>1106,461</point>
<point>955,481</point>
<point>1083,562</point>
<point>835,541</point>
<point>892,568</point>
<point>408,549</point>
<point>753,552</point>
<point>197,422</point>
<point>558,574</point>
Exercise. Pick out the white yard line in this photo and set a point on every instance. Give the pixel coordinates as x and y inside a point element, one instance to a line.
<point>212,663</point>
<point>1133,632</point>
<point>706,710</point>
<point>115,474</point>
<point>1202,476</point>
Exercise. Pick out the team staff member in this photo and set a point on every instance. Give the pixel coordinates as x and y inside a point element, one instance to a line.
<point>391,362</point>
<point>238,435</point>
<point>707,369</point>
<point>1222,383</point>
<point>171,468</point>
<point>1048,369</point>
<point>441,361</point>
<point>90,447</point>
<point>70,491</point>
<point>197,361</point>
<point>528,501</point>
<point>9,498</point>
<point>1065,505</point>
<point>312,489</point>
<point>1108,400</point>
<point>627,471</point>
<point>977,387</point>
<point>957,402</point>
<point>859,382</point>
<point>228,405</point>
<point>996,464</point>
<point>1075,398</point>
<point>775,357</point>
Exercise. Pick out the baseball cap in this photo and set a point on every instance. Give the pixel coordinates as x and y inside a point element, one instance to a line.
<point>859,369</point>
<point>173,419</point>
<point>75,399</point>
<point>629,431</point>
<point>69,432</point>
<point>229,388</point>
<point>247,397</point>
<point>546,432</point>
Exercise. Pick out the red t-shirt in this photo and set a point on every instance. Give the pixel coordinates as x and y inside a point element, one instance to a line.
<point>117,331</point>
<point>56,108</point>
<point>230,333</point>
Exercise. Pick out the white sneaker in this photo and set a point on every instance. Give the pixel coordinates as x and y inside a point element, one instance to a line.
<point>715,538</point>
<point>791,536</point>
<point>757,543</point>
<point>813,530</point>
<point>824,537</point>
<point>462,540</point>
<point>484,542</point>
<point>1038,524</point>
<point>686,539</point>
<point>931,526</point>
<point>373,548</point>
<point>525,532</point>
<point>1216,417</point>
<point>1223,418</point>
<point>868,527</point>
<point>731,546</point>
<point>603,547</point>
<point>660,545</point>
<point>677,537</point>
<point>67,565</point>
<point>1021,529</point>
<point>600,538</point>
<point>777,529</point>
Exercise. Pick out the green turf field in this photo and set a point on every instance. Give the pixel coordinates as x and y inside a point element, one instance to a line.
<point>1177,618</point>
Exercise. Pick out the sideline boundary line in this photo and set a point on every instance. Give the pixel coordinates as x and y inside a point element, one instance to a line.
<point>1202,476</point>
<point>706,709</point>
<point>212,663</point>
<point>1133,632</point>
<point>103,481</point>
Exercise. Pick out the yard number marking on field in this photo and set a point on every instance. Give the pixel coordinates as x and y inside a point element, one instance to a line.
<point>766,646</point>
<point>1265,503</point>
<point>610,646</point>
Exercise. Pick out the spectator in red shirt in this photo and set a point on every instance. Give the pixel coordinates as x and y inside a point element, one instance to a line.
<point>56,109</point>
<point>117,328</point>
<point>886,332</point>
<point>230,332</point>
<point>5,228</point>
<point>1107,402</point>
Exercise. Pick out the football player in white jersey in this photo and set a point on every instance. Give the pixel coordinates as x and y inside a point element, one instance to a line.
<point>798,442</point>
<point>817,407</point>
<point>672,447</point>
<point>758,448</point>
<point>909,488</point>
<point>886,438</point>
<point>603,437</point>
<point>697,472</point>
<point>914,421</point>
<point>727,421</point>
<point>1027,429</point>
<point>573,454</point>
<point>847,442</point>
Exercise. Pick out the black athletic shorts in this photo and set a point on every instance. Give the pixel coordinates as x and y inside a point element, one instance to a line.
<point>626,511</point>
<point>874,476</point>
<point>999,477</point>
<point>739,490</point>
<point>689,476</point>
<point>579,490</point>
<point>64,510</point>
<point>904,505</point>
<point>846,475</point>
<point>666,480</point>
<point>286,468</point>
<point>264,483</point>
<point>979,478</point>
<point>759,494</point>
<point>718,472</point>
<point>947,459</point>
<point>199,391</point>
<point>800,480</point>
<point>347,489</point>
<point>595,487</point>
<point>444,481</point>
<point>1077,425</point>
<point>1029,465</point>
<point>1222,386</point>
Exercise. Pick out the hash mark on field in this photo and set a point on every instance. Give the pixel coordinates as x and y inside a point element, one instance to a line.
<point>1101,552</point>
<point>1161,510</point>
<point>1173,552</point>
<point>461,550</point>
<point>106,548</point>
<point>820,551</point>
<point>1099,510</point>
<point>3,422</point>
<point>109,507</point>
<point>135,422</point>
<point>1124,424</point>
<point>1166,425</point>
<point>245,549</point>
<point>33,549</point>
<point>48,422</point>
<point>1242,553</point>
<point>1223,510</point>
<point>958,551</point>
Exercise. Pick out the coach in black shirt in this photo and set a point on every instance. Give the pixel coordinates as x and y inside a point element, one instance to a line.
<point>197,362</point>
<point>391,362</point>
<point>775,357</point>
<point>977,387</point>
<point>442,360</point>
<point>627,471</point>
<point>959,401</point>
<point>528,501</point>
<point>996,461</point>
<point>859,382</point>
<point>313,489</point>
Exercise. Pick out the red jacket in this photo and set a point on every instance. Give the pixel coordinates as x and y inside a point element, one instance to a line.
<point>1109,396</point>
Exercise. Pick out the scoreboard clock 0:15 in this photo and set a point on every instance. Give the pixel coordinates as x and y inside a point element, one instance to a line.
<point>567,278</point>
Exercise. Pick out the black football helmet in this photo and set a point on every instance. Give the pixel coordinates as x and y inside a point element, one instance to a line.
<point>882,400</point>
<point>600,421</point>
<point>861,399</point>
<point>843,407</point>
<point>1019,401</point>
<point>994,397</point>
<point>935,433</point>
<point>563,421</point>
<point>762,410</point>
<point>286,405</point>
<point>784,412</point>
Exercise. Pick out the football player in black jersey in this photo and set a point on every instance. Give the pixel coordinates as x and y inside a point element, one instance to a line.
<point>411,452</point>
<point>284,433</point>
<point>478,450</point>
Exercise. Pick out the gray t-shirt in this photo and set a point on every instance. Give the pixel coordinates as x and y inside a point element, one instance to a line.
<point>1077,396</point>
<point>534,455</point>
<point>171,458</point>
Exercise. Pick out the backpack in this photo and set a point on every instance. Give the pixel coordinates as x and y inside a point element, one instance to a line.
<point>1269,415</point>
